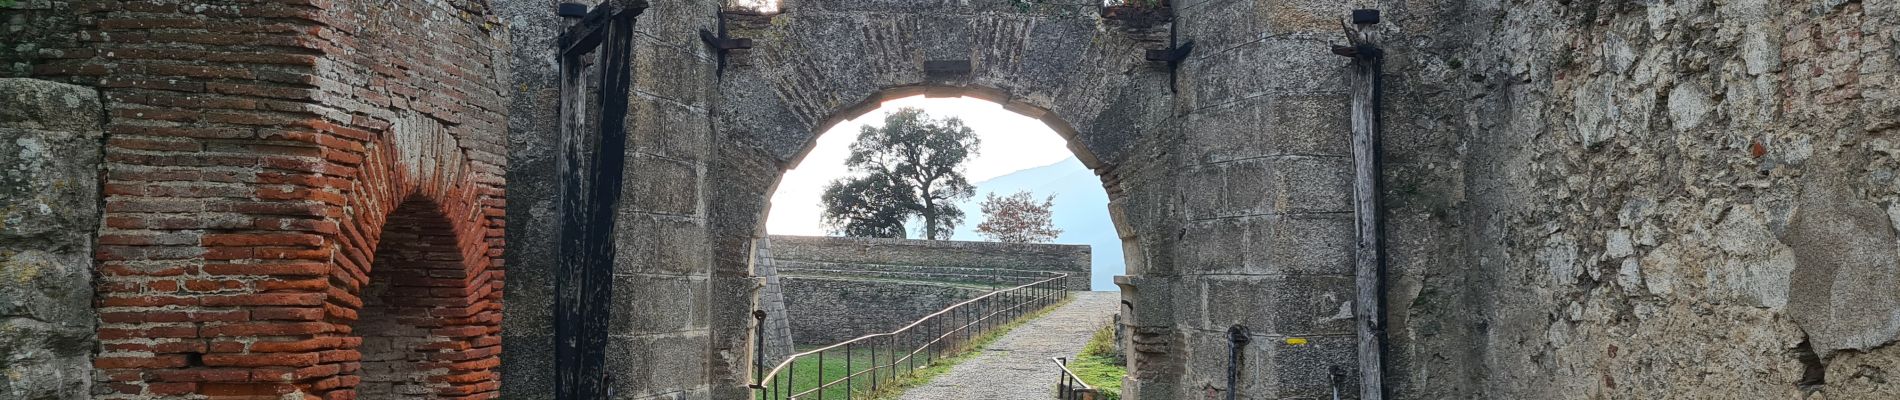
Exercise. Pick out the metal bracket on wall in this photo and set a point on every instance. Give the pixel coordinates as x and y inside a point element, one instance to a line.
<point>721,43</point>
<point>1237,338</point>
<point>1173,55</point>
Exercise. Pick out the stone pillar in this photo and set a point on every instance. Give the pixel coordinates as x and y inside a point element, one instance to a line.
<point>778,331</point>
<point>1266,190</point>
<point>49,211</point>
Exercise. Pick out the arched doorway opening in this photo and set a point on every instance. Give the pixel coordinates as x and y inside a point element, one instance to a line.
<point>1055,63</point>
<point>1122,233</point>
<point>420,330</point>
<point>1015,153</point>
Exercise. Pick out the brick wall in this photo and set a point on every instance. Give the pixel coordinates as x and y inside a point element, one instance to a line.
<point>255,154</point>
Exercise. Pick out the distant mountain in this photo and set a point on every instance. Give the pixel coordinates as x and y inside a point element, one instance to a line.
<point>1081,211</point>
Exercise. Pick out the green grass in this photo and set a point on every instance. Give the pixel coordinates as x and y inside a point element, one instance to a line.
<point>806,376</point>
<point>1099,366</point>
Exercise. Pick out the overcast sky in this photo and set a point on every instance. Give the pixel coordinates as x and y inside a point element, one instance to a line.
<point>1010,142</point>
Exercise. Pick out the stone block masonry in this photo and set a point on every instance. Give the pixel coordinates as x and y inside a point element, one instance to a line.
<point>943,260</point>
<point>839,288</point>
<point>825,311</point>
<point>49,210</point>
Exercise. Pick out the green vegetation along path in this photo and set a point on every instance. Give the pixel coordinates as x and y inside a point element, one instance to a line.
<point>1017,366</point>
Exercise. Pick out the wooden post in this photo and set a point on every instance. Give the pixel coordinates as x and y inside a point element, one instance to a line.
<point>1369,254</point>
<point>593,152</point>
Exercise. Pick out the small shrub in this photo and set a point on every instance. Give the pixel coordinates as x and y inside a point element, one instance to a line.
<point>1102,343</point>
<point>1100,366</point>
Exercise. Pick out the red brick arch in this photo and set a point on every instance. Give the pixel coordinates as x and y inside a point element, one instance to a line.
<point>413,294</point>
<point>286,178</point>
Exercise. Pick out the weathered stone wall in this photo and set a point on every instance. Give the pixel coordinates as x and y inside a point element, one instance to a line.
<point>1663,199</point>
<point>825,311</point>
<point>40,31</point>
<point>49,210</point>
<point>946,260</point>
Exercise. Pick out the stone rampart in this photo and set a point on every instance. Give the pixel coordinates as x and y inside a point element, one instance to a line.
<point>941,260</point>
<point>824,310</point>
<point>838,288</point>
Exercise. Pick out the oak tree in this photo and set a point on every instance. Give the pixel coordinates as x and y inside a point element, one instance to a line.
<point>909,167</point>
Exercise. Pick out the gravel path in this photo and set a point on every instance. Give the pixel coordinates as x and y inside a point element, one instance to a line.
<point>1017,366</point>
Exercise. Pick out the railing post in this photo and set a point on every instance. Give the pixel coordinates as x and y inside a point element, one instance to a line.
<point>988,323</point>
<point>1062,382</point>
<point>848,355</point>
<point>873,367</point>
<point>964,328</point>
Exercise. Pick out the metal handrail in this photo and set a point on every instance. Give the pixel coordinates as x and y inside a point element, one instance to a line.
<point>1069,386</point>
<point>977,316</point>
<point>789,271</point>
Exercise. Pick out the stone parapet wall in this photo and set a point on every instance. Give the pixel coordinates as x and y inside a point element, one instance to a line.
<point>951,274</point>
<point>825,311</point>
<point>839,288</point>
<point>49,209</point>
<point>958,261</point>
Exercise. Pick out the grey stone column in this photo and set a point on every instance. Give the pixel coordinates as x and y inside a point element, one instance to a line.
<point>49,212</point>
<point>1266,178</point>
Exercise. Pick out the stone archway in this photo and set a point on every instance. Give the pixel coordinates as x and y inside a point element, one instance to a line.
<point>1217,194</point>
<point>1084,77</point>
